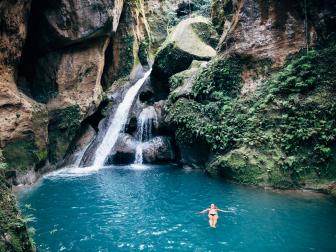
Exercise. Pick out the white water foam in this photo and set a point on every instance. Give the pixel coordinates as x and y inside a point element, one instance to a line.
<point>118,123</point>
<point>147,119</point>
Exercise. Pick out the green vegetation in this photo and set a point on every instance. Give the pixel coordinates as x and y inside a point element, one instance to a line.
<point>284,135</point>
<point>23,154</point>
<point>128,55</point>
<point>200,8</point>
<point>13,229</point>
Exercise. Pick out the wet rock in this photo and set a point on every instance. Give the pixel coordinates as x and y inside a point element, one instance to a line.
<point>124,150</point>
<point>77,148</point>
<point>184,8</point>
<point>158,150</point>
<point>131,126</point>
<point>185,44</point>
<point>162,127</point>
<point>146,97</point>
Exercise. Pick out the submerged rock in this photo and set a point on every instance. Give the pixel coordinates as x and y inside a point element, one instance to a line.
<point>185,44</point>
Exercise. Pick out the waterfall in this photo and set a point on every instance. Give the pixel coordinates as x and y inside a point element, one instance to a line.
<point>147,119</point>
<point>118,123</point>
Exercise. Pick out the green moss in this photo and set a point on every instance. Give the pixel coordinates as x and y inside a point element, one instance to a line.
<point>221,10</point>
<point>249,166</point>
<point>128,56</point>
<point>63,126</point>
<point>143,52</point>
<point>21,154</point>
<point>170,60</point>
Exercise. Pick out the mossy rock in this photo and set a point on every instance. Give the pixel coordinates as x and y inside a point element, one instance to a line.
<point>63,126</point>
<point>183,45</point>
<point>250,166</point>
<point>181,84</point>
<point>23,154</point>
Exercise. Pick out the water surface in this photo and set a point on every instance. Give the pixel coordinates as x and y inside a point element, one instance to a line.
<point>154,209</point>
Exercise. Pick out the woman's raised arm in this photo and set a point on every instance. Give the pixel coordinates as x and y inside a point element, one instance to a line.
<point>204,211</point>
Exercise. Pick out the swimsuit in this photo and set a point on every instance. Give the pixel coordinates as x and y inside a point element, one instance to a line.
<point>213,214</point>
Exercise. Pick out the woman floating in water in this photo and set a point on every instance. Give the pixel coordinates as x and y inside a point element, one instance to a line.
<point>212,214</point>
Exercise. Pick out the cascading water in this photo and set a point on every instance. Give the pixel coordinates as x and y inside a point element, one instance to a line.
<point>118,123</point>
<point>146,121</point>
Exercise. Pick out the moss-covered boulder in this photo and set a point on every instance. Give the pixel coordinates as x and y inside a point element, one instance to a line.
<point>251,166</point>
<point>189,41</point>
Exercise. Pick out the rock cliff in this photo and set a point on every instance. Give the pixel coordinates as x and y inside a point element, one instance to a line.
<point>263,104</point>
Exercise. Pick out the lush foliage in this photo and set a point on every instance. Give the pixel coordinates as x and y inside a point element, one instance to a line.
<point>13,229</point>
<point>293,114</point>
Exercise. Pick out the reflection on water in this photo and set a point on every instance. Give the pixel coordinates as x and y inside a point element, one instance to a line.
<point>153,208</point>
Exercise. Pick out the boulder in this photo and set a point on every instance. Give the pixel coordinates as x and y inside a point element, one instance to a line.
<point>185,44</point>
<point>158,15</point>
<point>158,150</point>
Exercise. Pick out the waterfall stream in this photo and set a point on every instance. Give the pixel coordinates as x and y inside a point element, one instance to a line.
<point>147,119</point>
<point>118,123</point>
